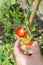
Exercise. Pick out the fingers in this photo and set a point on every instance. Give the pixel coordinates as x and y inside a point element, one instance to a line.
<point>30,52</point>
<point>16,47</point>
<point>35,43</point>
<point>23,47</point>
<point>35,46</point>
<point>17,43</point>
<point>17,50</point>
<point>33,49</point>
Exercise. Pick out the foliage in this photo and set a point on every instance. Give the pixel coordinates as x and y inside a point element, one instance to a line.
<point>14,16</point>
<point>6,55</point>
<point>41,49</point>
<point>11,15</point>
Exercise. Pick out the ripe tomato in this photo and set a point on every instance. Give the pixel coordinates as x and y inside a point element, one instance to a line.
<point>21,32</point>
<point>27,43</point>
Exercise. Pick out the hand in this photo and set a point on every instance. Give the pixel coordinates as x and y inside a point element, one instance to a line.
<point>22,59</point>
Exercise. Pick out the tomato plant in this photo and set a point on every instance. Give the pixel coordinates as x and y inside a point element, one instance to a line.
<point>27,42</point>
<point>21,32</point>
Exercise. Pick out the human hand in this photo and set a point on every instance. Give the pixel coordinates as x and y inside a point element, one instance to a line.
<point>22,59</point>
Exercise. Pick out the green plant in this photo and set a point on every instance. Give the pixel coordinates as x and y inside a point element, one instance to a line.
<point>6,55</point>
<point>12,14</point>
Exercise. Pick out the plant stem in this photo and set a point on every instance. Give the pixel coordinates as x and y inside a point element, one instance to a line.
<point>35,7</point>
<point>31,2</point>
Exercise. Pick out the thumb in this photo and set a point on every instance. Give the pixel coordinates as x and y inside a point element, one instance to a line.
<point>17,50</point>
<point>16,47</point>
<point>17,43</point>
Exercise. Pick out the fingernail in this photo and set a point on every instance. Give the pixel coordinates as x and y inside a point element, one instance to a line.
<point>34,44</point>
<point>30,53</point>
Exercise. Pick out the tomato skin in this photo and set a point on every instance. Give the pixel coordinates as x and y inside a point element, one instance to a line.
<point>21,32</point>
<point>28,43</point>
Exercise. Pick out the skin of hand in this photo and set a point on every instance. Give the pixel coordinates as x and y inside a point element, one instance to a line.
<point>22,59</point>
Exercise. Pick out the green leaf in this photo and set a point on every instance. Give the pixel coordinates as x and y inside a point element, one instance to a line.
<point>10,2</point>
<point>5,21</point>
<point>7,34</point>
<point>13,2</point>
<point>42,47</point>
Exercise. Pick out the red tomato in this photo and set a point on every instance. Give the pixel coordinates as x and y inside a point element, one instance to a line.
<point>27,43</point>
<point>21,32</point>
